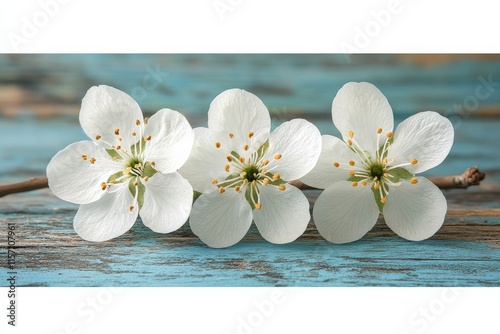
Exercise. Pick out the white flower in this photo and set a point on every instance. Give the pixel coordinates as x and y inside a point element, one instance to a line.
<point>374,170</point>
<point>130,166</point>
<point>241,170</point>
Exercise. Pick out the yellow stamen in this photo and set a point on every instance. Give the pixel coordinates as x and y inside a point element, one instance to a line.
<point>413,180</point>
<point>281,187</point>
<point>352,173</point>
<point>135,183</point>
<point>120,139</point>
<point>127,170</point>
<point>245,147</point>
<point>84,156</point>
<point>134,134</point>
<point>265,162</point>
<point>243,174</point>
<point>146,179</point>
<point>384,160</point>
<point>414,161</point>
<point>242,160</point>
<point>229,158</point>
<point>352,163</point>
<point>250,134</point>
<point>148,138</point>
<point>389,134</point>
<point>231,135</point>
<point>376,186</point>
<point>277,156</point>
<point>364,183</point>
<point>118,147</point>
<point>276,176</point>
<point>131,208</point>
<point>379,131</point>
<point>237,188</point>
<point>214,181</point>
<point>137,122</point>
<point>336,164</point>
<point>152,163</point>
<point>349,142</point>
<point>355,184</point>
<point>383,200</point>
<point>263,170</point>
<point>103,186</point>
<point>254,182</point>
<point>146,120</point>
<point>117,132</point>
<point>97,137</point>
<point>112,181</point>
<point>226,167</point>
<point>92,160</point>
<point>375,179</point>
<point>217,144</point>
<point>258,206</point>
<point>221,190</point>
<point>351,134</point>
<point>265,181</point>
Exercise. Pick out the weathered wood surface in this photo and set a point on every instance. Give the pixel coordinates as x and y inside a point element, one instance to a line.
<point>38,108</point>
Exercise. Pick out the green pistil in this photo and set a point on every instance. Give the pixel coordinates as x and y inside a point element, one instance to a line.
<point>377,171</point>
<point>251,173</point>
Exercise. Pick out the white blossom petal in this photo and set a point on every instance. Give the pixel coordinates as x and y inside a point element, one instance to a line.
<point>363,109</point>
<point>297,143</point>
<point>415,211</point>
<point>343,213</point>
<point>171,139</point>
<point>206,162</point>
<point>240,113</point>
<point>284,214</point>
<point>106,110</point>
<point>107,218</point>
<point>76,173</point>
<point>426,137</point>
<point>325,173</point>
<point>167,202</point>
<point>221,220</point>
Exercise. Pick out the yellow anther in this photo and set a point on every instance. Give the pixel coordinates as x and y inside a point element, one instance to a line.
<point>336,164</point>
<point>250,134</point>
<point>92,160</point>
<point>364,183</point>
<point>242,160</point>
<point>134,134</point>
<point>131,208</point>
<point>146,120</point>
<point>379,130</point>
<point>138,166</point>
<point>114,158</point>
<point>146,179</point>
<point>389,134</point>
<point>383,200</point>
<point>265,181</point>
<point>84,157</point>
<point>118,147</point>
<point>231,135</point>
<point>386,174</point>
<point>245,181</point>
<point>254,182</point>
<point>384,161</point>
<point>237,189</point>
<point>103,186</point>
<point>355,184</point>
<point>98,137</point>
<point>137,122</point>
<point>245,147</point>
<point>217,144</point>
<point>349,142</point>
<point>263,170</point>
<point>127,170</point>
<point>258,206</point>
<point>120,139</point>
<point>148,138</point>
<point>229,158</point>
<point>277,156</point>
<point>282,187</point>
<point>375,179</point>
<point>226,167</point>
<point>376,186</point>
<point>276,176</point>
<point>214,181</point>
<point>352,173</point>
<point>352,163</point>
<point>413,180</point>
<point>117,132</point>
<point>243,174</point>
<point>152,163</point>
<point>112,181</point>
<point>221,190</point>
<point>136,184</point>
<point>414,161</point>
<point>265,162</point>
<point>351,134</point>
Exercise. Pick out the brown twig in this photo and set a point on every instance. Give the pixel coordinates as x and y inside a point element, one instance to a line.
<point>471,177</point>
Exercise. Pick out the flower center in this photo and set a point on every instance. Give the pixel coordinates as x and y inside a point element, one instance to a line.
<point>246,175</point>
<point>377,170</point>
